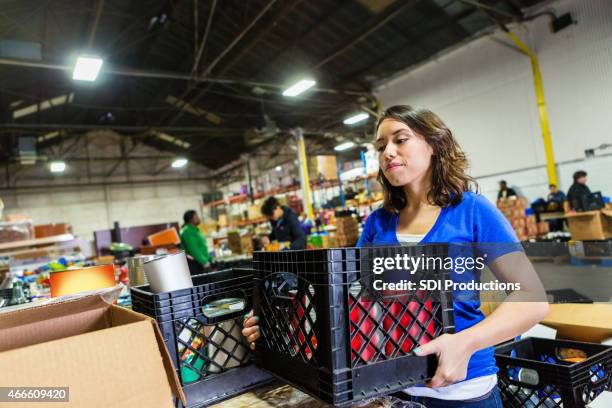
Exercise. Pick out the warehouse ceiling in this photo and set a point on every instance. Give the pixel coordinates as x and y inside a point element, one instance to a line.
<point>203,78</point>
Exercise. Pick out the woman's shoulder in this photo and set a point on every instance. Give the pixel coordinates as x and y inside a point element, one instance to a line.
<point>380,214</point>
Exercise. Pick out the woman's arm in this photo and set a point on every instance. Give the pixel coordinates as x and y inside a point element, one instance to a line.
<point>520,310</point>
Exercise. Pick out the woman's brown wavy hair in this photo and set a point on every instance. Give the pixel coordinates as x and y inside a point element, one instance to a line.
<point>449,163</point>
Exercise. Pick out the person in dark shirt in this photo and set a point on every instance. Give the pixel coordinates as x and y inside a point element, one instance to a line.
<point>555,194</point>
<point>578,190</point>
<point>285,224</point>
<point>505,191</point>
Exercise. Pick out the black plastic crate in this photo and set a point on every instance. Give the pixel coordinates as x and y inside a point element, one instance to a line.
<point>598,248</point>
<point>326,333</point>
<point>201,327</point>
<point>186,302</point>
<point>567,296</point>
<point>533,373</point>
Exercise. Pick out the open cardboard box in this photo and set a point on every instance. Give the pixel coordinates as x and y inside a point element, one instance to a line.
<point>590,225</point>
<point>589,322</point>
<point>108,356</point>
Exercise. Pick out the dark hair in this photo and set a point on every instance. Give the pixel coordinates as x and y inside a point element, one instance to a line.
<point>188,216</point>
<point>269,206</point>
<point>552,185</point>
<point>503,182</point>
<point>449,162</point>
<point>579,174</point>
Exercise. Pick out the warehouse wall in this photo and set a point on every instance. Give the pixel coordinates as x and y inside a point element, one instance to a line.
<point>93,208</point>
<point>484,91</point>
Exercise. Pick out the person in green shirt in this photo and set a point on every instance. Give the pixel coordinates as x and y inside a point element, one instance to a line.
<point>194,242</point>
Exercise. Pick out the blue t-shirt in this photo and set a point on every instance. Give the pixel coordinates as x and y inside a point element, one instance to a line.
<point>474,220</point>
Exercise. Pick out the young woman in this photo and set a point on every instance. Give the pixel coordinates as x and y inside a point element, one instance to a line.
<point>427,199</point>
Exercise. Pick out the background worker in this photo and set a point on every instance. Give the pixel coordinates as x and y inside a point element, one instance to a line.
<point>578,190</point>
<point>285,224</point>
<point>505,191</point>
<point>194,243</point>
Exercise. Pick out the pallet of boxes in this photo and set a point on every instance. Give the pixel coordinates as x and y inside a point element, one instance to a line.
<point>347,229</point>
<point>525,226</point>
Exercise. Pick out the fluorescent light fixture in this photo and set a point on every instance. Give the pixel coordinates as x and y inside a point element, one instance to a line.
<point>47,136</point>
<point>174,140</point>
<point>299,87</point>
<point>179,163</point>
<point>194,110</point>
<point>44,105</point>
<point>356,118</point>
<point>57,167</point>
<point>344,146</point>
<point>87,68</point>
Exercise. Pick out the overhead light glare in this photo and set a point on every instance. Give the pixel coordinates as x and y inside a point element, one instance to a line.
<point>87,68</point>
<point>57,167</point>
<point>344,146</point>
<point>356,118</point>
<point>179,163</point>
<point>299,87</point>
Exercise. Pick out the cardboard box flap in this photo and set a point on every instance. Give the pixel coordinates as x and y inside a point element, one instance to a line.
<point>581,321</point>
<point>34,325</point>
<point>123,316</point>
<point>606,212</point>
<point>120,367</point>
<point>175,383</point>
<point>581,214</point>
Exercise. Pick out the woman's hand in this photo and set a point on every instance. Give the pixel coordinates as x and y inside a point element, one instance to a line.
<point>250,330</point>
<point>453,352</point>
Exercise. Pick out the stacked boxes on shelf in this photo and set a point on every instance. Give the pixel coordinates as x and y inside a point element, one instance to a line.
<point>347,229</point>
<point>525,226</point>
<point>240,244</point>
<point>295,203</point>
<point>323,167</point>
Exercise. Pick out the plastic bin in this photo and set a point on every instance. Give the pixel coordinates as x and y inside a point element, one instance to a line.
<point>202,330</point>
<point>532,373</point>
<point>325,333</point>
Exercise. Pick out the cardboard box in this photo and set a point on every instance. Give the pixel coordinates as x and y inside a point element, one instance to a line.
<point>240,244</point>
<point>51,230</point>
<point>108,356</point>
<point>323,166</point>
<point>590,322</point>
<point>254,212</point>
<point>590,225</point>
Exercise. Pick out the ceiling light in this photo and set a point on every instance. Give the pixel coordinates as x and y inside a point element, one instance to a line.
<point>279,168</point>
<point>299,87</point>
<point>344,146</point>
<point>87,68</point>
<point>356,118</point>
<point>57,167</point>
<point>179,163</point>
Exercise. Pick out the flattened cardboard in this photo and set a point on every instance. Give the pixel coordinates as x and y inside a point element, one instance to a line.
<point>107,355</point>
<point>590,322</point>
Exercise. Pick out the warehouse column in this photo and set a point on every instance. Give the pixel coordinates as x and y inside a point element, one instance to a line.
<point>542,111</point>
<point>304,178</point>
